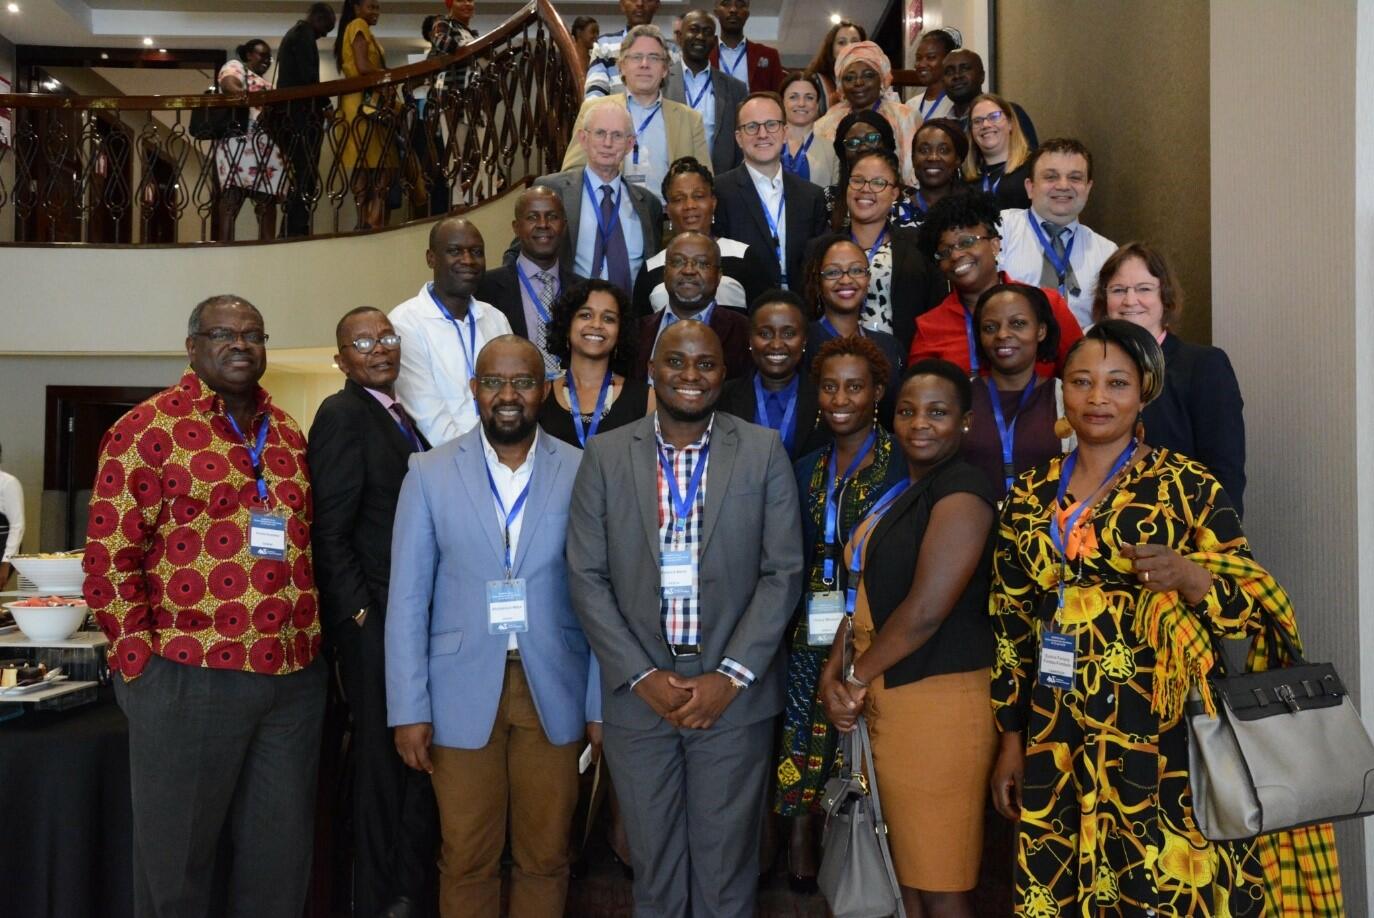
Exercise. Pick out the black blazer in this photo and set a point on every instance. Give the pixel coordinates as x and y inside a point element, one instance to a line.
<point>730,93</point>
<point>1200,413</point>
<point>737,398</point>
<point>501,288</point>
<point>358,457</point>
<point>739,215</point>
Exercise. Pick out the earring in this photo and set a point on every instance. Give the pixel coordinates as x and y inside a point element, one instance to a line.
<point>1063,429</point>
<point>1139,429</point>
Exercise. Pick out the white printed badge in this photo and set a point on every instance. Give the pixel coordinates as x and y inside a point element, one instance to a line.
<point>506,613</point>
<point>824,612</point>
<point>267,535</point>
<point>1057,658</point>
<point>677,574</point>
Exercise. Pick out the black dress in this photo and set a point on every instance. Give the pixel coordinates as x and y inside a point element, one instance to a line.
<point>1009,189</point>
<point>630,405</point>
<point>737,398</point>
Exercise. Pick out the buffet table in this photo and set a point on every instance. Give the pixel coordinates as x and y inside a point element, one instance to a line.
<point>64,793</point>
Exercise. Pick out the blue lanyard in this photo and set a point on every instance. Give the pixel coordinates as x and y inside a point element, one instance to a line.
<point>534,297</point>
<point>254,452</point>
<point>921,107</point>
<point>832,506</point>
<point>1006,433</point>
<point>602,229</point>
<point>835,332</point>
<point>773,221</point>
<point>1061,268</point>
<point>989,186</point>
<point>642,125</point>
<point>468,346</point>
<point>682,506</point>
<point>793,162</point>
<point>1060,537</point>
<point>788,429</point>
<point>873,250</point>
<point>510,514</point>
<point>972,344</point>
<point>705,88</point>
<point>584,434</point>
<point>921,206</point>
<point>739,57</point>
<point>851,593</point>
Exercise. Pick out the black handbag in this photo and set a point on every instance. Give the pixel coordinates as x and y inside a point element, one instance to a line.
<point>218,123</point>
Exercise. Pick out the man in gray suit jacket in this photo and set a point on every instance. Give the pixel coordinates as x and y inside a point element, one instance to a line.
<point>685,610</point>
<point>710,92</point>
<point>489,680</point>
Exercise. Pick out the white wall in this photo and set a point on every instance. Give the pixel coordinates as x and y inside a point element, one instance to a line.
<point>1293,305</point>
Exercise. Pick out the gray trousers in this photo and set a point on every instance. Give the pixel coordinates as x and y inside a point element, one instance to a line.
<point>692,801</point>
<point>212,748</point>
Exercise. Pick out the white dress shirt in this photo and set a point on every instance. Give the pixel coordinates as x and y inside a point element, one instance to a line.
<point>509,483</point>
<point>433,384</point>
<point>12,506</point>
<point>774,204</point>
<point>1024,260</point>
<point>585,255</point>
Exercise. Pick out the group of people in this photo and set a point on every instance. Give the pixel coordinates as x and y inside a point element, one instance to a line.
<point>607,495</point>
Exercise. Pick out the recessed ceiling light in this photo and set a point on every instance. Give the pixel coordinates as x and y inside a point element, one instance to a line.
<point>161,50</point>
<point>836,18</point>
<point>104,55</point>
<point>12,7</point>
<point>147,42</point>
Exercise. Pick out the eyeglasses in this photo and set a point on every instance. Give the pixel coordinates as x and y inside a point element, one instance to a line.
<point>229,336</point>
<point>771,126</point>
<point>701,262</point>
<point>871,139</point>
<point>992,117</point>
<point>366,344</point>
<point>854,271</point>
<point>859,183</point>
<point>1118,291</point>
<point>962,244</point>
<point>639,57</point>
<point>600,135</point>
<point>497,383</point>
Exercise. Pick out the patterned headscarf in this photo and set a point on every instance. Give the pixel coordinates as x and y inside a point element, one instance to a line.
<point>864,51</point>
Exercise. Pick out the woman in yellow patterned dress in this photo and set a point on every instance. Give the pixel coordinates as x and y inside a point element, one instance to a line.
<point>1094,758</point>
<point>367,152</point>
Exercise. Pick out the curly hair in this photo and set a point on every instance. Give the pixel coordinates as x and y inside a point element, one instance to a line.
<point>687,165</point>
<point>958,212</point>
<point>854,346</point>
<point>811,281</point>
<point>557,334</point>
<point>1038,302</point>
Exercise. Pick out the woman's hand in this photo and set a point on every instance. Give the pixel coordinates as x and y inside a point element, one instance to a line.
<point>1164,570</point>
<point>843,703</point>
<point>1007,774</point>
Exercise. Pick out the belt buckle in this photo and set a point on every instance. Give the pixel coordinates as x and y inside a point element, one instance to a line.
<point>672,650</point>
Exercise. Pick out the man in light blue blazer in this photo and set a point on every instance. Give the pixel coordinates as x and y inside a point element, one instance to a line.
<point>490,682</point>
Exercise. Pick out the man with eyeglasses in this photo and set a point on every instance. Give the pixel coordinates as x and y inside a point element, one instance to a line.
<point>445,326</point>
<point>963,78</point>
<point>1045,244</point>
<point>490,682</point>
<point>604,76</point>
<point>756,64</point>
<point>360,442</point>
<point>198,569</point>
<point>762,204</point>
<point>612,223</point>
<point>691,274</point>
<point>961,234</point>
<point>663,130</point>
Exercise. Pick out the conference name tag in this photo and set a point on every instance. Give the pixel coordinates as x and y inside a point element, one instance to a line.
<point>637,172</point>
<point>267,536</point>
<point>506,607</point>
<point>1057,656</point>
<point>824,612</point>
<point>677,574</point>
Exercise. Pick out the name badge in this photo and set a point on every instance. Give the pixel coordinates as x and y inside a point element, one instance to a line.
<point>1057,654</point>
<point>267,535</point>
<point>824,612</point>
<point>677,574</point>
<point>636,169</point>
<point>506,607</point>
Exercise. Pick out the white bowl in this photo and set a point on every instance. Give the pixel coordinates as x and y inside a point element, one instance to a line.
<point>51,575</point>
<point>49,623</point>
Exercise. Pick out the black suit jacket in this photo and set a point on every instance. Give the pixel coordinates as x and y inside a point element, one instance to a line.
<point>729,93</point>
<point>737,398</point>
<point>731,327</point>
<point>357,456</point>
<point>739,215</point>
<point>501,288</point>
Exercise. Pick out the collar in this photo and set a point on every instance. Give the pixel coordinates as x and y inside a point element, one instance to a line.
<point>702,315</point>
<point>427,292</point>
<point>705,71</point>
<point>1071,226</point>
<point>207,400</point>
<point>531,269</point>
<point>494,460</point>
<point>743,43</point>
<point>632,103</point>
<point>772,184</point>
<point>597,181</point>
<point>698,444</point>
<point>386,401</point>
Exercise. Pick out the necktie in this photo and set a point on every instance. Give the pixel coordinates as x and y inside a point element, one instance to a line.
<point>407,425</point>
<point>546,296</point>
<point>1049,277</point>
<point>611,251</point>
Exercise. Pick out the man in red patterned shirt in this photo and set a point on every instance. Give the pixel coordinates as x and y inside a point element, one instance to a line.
<point>198,571</point>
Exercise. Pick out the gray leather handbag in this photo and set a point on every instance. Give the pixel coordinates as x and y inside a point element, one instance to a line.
<point>1286,749</point>
<point>856,874</point>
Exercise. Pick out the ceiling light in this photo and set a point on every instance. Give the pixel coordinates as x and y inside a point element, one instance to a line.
<point>161,50</point>
<point>836,18</point>
<point>147,42</point>
<point>12,7</point>
<point>104,55</point>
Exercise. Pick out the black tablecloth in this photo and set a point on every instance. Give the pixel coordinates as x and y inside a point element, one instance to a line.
<point>65,820</point>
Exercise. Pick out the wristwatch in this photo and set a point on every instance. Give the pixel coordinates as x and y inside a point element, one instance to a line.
<point>852,679</point>
<point>360,616</point>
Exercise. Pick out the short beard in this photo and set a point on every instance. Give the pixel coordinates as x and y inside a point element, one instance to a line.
<point>506,438</point>
<point>687,417</point>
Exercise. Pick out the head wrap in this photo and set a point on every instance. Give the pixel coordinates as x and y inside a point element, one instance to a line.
<point>864,51</point>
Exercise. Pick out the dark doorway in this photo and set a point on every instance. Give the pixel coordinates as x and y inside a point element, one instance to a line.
<point>77,418</point>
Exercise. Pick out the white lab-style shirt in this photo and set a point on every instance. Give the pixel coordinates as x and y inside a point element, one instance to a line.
<point>433,385</point>
<point>771,194</point>
<point>509,483</point>
<point>12,506</point>
<point>1024,260</point>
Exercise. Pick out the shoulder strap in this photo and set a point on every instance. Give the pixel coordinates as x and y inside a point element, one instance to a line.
<point>865,748</point>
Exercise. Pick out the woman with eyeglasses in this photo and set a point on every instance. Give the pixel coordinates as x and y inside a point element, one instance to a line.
<point>937,155</point>
<point>593,337</point>
<point>857,133</point>
<point>1200,411</point>
<point>864,75</point>
<point>247,164</point>
<point>841,35</point>
<point>961,234</point>
<point>998,163</point>
<point>690,194</point>
<point>838,483</point>
<point>801,105</point>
